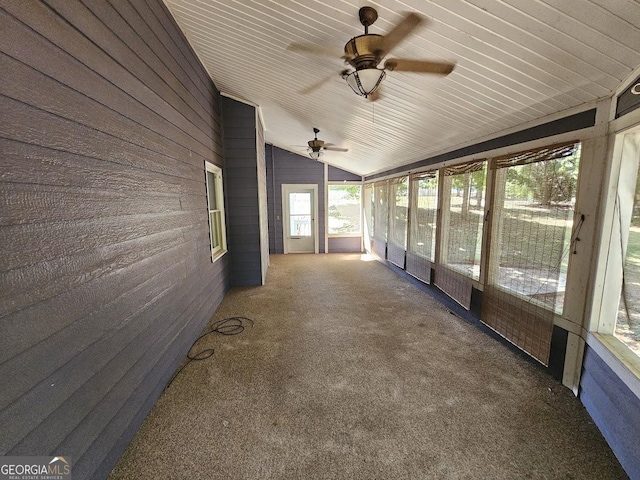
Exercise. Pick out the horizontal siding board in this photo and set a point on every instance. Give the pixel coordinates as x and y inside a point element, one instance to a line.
<point>243,114</point>
<point>84,361</point>
<point>244,198</point>
<point>241,178</point>
<point>241,215</point>
<point>242,169</point>
<point>58,99</point>
<point>129,343</point>
<point>26,326</point>
<point>163,23</point>
<point>614,409</point>
<point>66,273</point>
<point>238,128</point>
<point>140,402</point>
<point>25,244</point>
<point>620,437</point>
<point>249,229</point>
<point>128,414</point>
<point>155,48</point>
<point>78,330</point>
<point>182,60</point>
<point>122,401</point>
<point>239,143</point>
<point>622,398</point>
<point>27,163</point>
<point>25,203</point>
<point>120,52</point>
<point>82,57</point>
<point>127,26</point>
<point>249,280</point>
<point>237,184</point>
<point>242,248</point>
<point>243,157</point>
<point>336,174</point>
<point>107,120</point>
<point>78,77</point>
<point>345,244</point>
<point>38,127</point>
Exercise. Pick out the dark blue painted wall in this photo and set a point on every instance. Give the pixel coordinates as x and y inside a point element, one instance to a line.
<point>241,192</point>
<point>614,408</point>
<point>108,118</point>
<point>345,244</point>
<point>287,167</point>
<point>336,174</point>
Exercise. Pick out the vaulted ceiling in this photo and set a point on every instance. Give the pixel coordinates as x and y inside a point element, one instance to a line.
<point>517,61</point>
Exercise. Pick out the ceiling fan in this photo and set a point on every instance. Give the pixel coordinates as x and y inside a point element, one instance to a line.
<point>365,52</point>
<point>317,147</point>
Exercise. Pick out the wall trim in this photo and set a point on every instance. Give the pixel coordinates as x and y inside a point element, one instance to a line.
<point>618,358</point>
<point>515,140</point>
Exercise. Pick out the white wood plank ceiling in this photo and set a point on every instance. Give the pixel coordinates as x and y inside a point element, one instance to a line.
<point>517,61</point>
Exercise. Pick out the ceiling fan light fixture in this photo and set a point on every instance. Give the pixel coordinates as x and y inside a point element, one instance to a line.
<point>365,81</point>
<point>315,154</point>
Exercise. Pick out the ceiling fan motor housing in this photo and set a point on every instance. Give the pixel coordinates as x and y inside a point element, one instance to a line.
<point>364,51</point>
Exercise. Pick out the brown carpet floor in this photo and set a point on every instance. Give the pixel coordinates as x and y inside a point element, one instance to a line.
<point>353,373</point>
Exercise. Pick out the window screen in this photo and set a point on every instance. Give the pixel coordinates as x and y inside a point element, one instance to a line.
<point>398,209</point>
<point>627,328</point>
<point>531,233</point>
<point>381,217</point>
<point>368,203</point>
<point>422,235</point>
<point>424,210</point>
<point>463,217</point>
<point>344,209</point>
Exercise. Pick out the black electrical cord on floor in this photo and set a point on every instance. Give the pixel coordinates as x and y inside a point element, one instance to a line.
<point>226,326</point>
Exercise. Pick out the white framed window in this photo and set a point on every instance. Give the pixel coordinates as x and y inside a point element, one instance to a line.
<point>344,209</point>
<point>215,207</point>
<point>619,315</point>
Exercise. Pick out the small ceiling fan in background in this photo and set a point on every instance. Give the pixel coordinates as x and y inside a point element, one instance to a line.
<point>317,147</point>
<point>365,52</point>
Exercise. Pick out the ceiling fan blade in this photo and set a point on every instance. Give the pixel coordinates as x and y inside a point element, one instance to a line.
<point>325,52</point>
<point>399,32</point>
<point>316,85</point>
<point>420,66</point>
<point>336,149</point>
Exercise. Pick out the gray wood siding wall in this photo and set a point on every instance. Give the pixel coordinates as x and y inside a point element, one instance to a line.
<point>615,409</point>
<point>287,167</point>
<point>345,244</point>
<point>106,276</point>
<point>336,174</point>
<point>241,191</point>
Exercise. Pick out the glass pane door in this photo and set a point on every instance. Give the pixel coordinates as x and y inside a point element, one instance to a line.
<point>300,214</point>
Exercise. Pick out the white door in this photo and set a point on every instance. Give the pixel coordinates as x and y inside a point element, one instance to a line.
<point>300,210</point>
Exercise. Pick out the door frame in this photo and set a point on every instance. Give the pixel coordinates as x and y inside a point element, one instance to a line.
<point>292,187</point>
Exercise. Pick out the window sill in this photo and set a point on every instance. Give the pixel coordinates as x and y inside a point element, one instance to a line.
<point>344,235</point>
<point>624,363</point>
<point>218,255</point>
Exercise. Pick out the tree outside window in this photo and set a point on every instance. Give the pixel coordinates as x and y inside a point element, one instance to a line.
<point>344,209</point>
